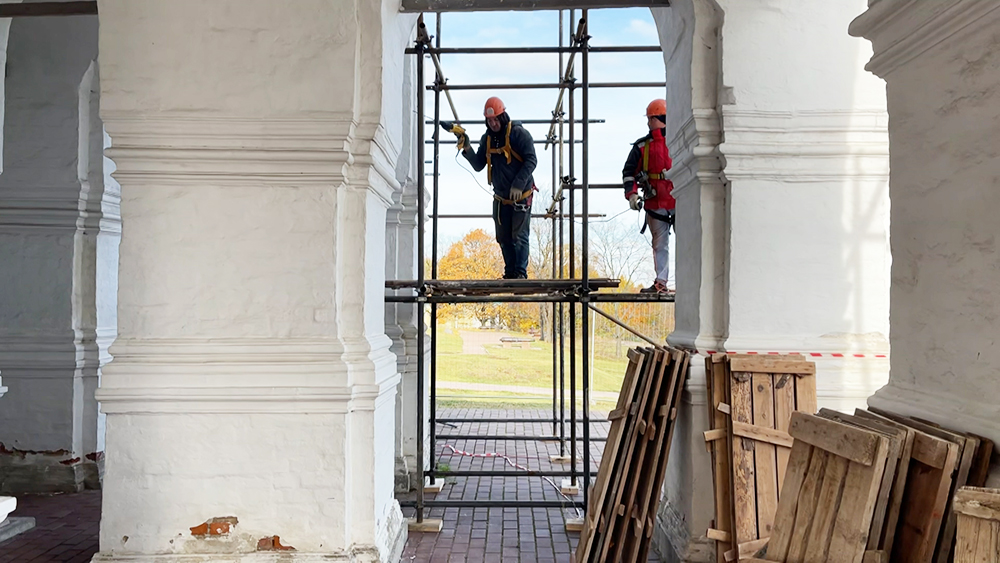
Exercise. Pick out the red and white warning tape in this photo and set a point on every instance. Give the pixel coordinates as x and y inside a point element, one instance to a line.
<point>510,462</point>
<point>810,354</point>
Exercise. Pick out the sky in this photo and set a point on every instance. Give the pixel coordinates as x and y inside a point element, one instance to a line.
<point>623,109</point>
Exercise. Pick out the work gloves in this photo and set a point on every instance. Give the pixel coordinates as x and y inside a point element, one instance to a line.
<point>464,143</point>
<point>635,202</point>
<point>515,195</point>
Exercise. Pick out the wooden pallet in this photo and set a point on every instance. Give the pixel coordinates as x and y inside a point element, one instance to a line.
<point>833,479</point>
<point>978,515</point>
<point>933,461</point>
<point>969,454</point>
<point>882,531</point>
<point>752,401</point>
<point>619,521</point>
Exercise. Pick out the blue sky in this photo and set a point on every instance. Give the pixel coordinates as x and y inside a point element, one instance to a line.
<point>610,142</point>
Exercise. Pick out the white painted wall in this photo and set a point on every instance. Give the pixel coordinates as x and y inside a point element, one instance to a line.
<point>51,198</point>
<point>945,174</point>
<point>256,147</point>
<point>781,164</point>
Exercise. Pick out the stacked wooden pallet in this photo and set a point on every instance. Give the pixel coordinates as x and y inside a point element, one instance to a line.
<point>625,497</point>
<point>874,486</point>
<point>978,536</point>
<point>751,401</point>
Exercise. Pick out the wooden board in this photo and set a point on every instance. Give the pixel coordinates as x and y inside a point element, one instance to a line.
<point>612,448</point>
<point>765,452</point>
<point>895,440</point>
<point>744,485</point>
<point>620,516</point>
<point>978,531</point>
<point>905,435</point>
<point>681,361</point>
<point>716,375</point>
<point>784,405</point>
<point>759,403</point>
<point>826,509</point>
<point>967,446</point>
<point>925,500</point>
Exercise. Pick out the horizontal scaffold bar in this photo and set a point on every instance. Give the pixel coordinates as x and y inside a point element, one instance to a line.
<point>533,50</point>
<point>545,85</point>
<point>501,285</point>
<point>511,473</point>
<point>513,437</point>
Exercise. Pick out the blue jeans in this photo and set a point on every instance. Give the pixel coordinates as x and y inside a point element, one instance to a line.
<point>513,226</point>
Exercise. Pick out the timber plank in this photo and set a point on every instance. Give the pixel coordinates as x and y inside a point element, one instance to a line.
<point>765,454</point>
<point>981,463</point>
<point>905,434</point>
<point>681,361</point>
<point>928,485</point>
<point>759,433</point>
<point>875,533</point>
<point>752,363</point>
<point>821,531</point>
<point>612,450</point>
<point>967,446</point>
<point>784,404</point>
<point>784,519</point>
<point>807,505</point>
<point>855,444</point>
<point>614,509</point>
<point>805,394</point>
<point>854,516</point>
<point>640,477</point>
<point>721,453</point>
<point>744,486</point>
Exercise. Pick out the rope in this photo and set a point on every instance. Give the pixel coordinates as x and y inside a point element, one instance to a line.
<point>511,463</point>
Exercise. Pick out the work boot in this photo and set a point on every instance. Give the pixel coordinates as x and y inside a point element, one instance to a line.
<point>657,287</point>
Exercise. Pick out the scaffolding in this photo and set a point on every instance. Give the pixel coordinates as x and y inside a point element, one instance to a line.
<point>565,291</point>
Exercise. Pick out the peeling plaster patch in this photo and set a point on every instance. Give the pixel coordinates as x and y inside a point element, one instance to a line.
<point>219,526</point>
<point>272,543</point>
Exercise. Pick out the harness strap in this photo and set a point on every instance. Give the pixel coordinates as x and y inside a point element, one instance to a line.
<point>506,150</point>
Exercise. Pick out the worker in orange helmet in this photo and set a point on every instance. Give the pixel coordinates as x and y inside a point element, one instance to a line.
<point>507,151</point>
<point>646,187</point>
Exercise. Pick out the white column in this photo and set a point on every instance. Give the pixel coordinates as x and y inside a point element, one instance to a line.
<point>256,144</point>
<point>940,63</point>
<point>781,166</point>
<point>401,264</point>
<point>58,244</point>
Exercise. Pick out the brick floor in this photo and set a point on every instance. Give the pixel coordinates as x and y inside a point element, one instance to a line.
<point>66,529</point>
<point>501,535</point>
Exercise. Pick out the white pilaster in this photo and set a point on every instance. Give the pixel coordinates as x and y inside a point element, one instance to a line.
<point>780,167</point>
<point>58,244</point>
<point>256,145</point>
<point>939,60</point>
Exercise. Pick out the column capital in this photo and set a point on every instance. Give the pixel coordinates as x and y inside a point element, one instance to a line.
<point>902,30</point>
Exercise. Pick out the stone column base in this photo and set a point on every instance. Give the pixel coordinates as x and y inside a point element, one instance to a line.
<point>36,474</point>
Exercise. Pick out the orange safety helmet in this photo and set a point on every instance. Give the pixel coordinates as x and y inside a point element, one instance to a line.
<point>494,107</point>
<point>656,107</point>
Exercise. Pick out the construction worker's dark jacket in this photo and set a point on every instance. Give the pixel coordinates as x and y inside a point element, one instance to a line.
<point>510,155</point>
<point>650,155</point>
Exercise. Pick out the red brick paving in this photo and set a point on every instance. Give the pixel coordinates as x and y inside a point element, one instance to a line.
<point>66,529</point>
<point>500,535</point>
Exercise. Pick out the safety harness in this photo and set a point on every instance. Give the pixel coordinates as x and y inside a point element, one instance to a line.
<point>509,153</point>
<point>668,219</point>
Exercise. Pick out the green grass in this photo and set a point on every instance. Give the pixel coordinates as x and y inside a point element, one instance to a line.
<point>522,367</point>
